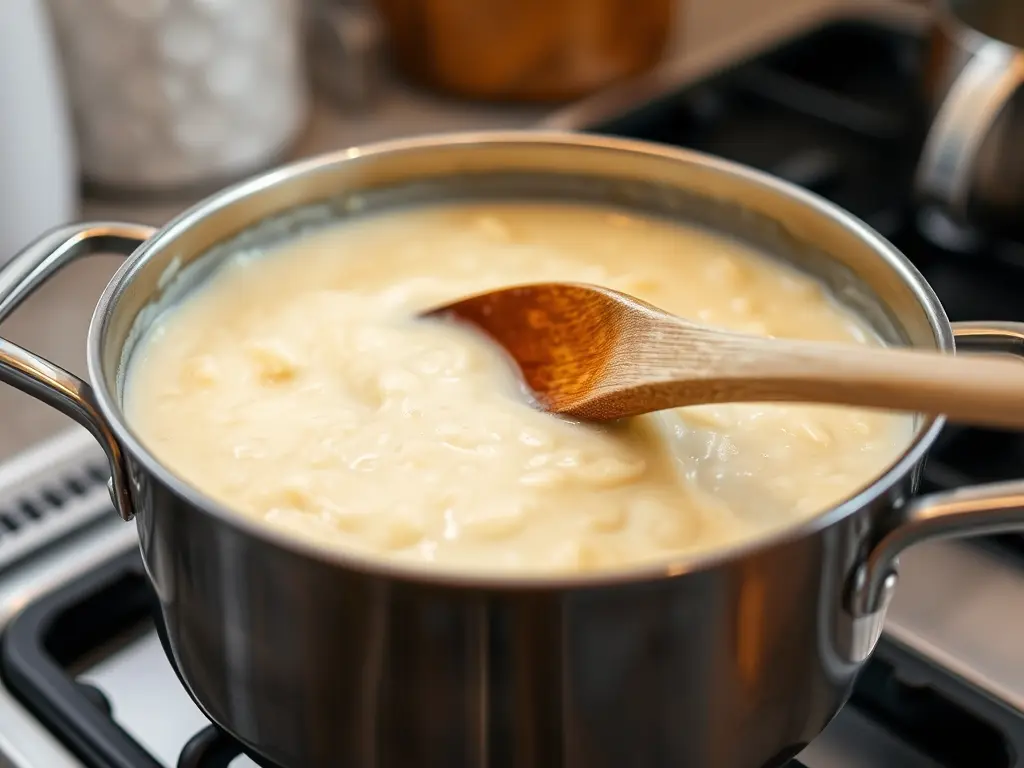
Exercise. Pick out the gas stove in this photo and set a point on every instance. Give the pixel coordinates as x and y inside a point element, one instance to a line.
<point>83,679</point>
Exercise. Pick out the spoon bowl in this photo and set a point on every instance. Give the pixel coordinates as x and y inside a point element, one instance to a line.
<point>593,353</point>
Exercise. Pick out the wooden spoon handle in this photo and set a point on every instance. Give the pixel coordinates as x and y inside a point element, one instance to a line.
<point>980,389</point>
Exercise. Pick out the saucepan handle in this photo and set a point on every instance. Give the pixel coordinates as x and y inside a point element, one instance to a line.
<point>978,96</point>
<point>42,379</point>
<point>979,510</point>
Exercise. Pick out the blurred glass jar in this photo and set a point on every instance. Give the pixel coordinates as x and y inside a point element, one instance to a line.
<point>171,95</point>
<point>526,50</point>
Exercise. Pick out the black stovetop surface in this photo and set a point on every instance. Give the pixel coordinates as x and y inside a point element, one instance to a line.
<point>836,111</point>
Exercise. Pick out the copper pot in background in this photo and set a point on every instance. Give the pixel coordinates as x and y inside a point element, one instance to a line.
<point>525,50</point>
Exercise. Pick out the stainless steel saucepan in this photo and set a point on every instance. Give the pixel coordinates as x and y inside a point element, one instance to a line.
<point>315,658</point>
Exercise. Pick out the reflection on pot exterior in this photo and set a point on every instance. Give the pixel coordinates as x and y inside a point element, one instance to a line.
<point>592,677</point>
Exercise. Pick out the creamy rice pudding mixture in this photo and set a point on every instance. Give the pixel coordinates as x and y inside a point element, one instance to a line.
<point>297,388</point>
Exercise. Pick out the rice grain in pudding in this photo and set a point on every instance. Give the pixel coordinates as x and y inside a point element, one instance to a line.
<point>296,388</point>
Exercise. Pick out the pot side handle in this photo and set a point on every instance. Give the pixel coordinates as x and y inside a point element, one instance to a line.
<point>964,120</point>
<point>978,510</point>
<point>47,382</point>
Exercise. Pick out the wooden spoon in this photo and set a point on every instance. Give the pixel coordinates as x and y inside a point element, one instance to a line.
<point>594,353</point>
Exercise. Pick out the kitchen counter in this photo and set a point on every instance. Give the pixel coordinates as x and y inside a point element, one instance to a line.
<point>53,322</point>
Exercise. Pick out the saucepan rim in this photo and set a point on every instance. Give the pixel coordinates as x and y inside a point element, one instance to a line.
<point>656,569</point>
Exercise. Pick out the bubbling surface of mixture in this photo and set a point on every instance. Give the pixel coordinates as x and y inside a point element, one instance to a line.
<point>296,388</point>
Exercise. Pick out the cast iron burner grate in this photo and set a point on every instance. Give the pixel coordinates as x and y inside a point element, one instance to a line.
<point>55,640</point>
<point>211,748</point>
<point>57,637</point>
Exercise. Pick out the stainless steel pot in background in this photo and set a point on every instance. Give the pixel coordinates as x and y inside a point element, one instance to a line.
<point>315,658</point>
<point>973,160</point>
